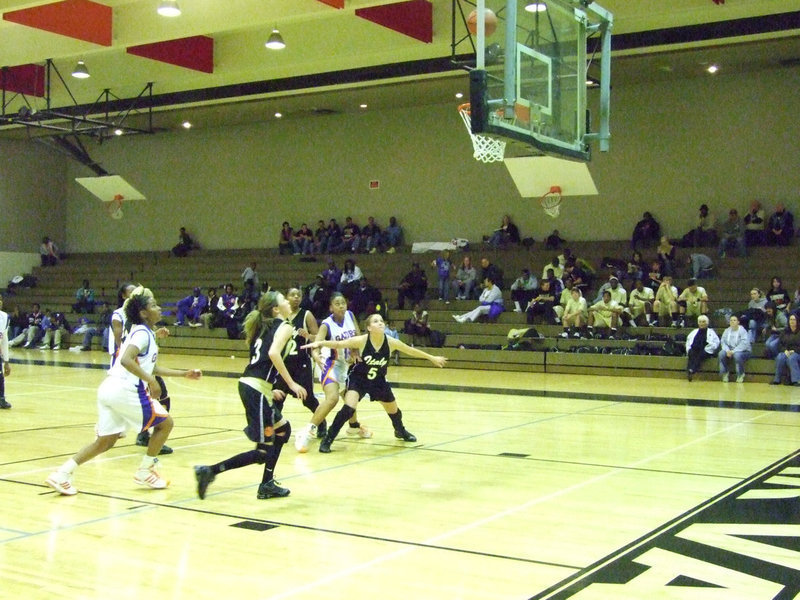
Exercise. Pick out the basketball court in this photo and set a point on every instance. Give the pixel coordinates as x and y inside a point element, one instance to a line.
<point>520,486</point>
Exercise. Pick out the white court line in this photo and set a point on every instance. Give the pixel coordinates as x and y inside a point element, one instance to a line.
<point>499,515</point>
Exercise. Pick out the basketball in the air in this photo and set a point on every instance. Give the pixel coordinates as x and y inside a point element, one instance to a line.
<point>490,20</point>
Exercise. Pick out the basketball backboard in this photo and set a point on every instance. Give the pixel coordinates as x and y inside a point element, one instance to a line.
<point>110,188</point>
<point>529,81</point>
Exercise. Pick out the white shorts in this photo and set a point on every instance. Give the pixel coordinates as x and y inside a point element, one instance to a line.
<point>121,407</point>
<point>335,371</point>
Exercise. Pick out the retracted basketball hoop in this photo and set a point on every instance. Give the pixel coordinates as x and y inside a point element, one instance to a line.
<point>551,201</point>
<point>486,149</point>
<point>115,207</point>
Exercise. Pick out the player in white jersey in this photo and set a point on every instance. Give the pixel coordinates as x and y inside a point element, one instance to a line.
<point>125,399</point>
<point>5,367</point>
<point>340,325</point>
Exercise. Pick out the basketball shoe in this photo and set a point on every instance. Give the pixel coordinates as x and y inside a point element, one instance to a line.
<point>360,431</point>
<point>303,436</point>
<point>62,483</point>
<point>150,478</point>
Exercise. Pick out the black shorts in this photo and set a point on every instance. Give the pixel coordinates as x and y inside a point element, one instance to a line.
<point>379,390</point>
<point>259,413</point>
<point>303,375</point>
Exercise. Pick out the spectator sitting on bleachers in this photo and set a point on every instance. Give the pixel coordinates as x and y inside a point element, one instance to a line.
<point>184,245</point>
<point>654,277</point>
<point>556,283</point>
<point>752,318</point>
<point>636,268</point>
<point>700,265</point>
<point>194,305</point>
<point>605,314</point>
<point>701,344</point>
<point>210,317</point>
<point>564,257</point>
<point>55,326</point>
<point>333,237</point>
<point>579,278</point>
<point>17,323</point>
<point>392,236</point>
<point>788,357</point>
<point>332,275</point>
<point>365,300</point>
<point>666,253</point>
<point>734,346</point>
<point>351,237</point>
<point>412,287</point>
<point>348,282</point>
<point>320,237</point>
<point>491,303</point>
<point>692,302</point>
<point>647,231</point>
<point>563,298</point>
<point>523,289</point>
<point>316,298</point>
<point>88,330</point>
<point>576,313</point>
<point>33,332</point>
<point>228,304</point>
<point>302,240</point>
<point>618,293</point>
<point>84,299</point>
<point>48,252</point>
<point>702,235</point>
<point>775,321</point>
<point>558,268</point>
<point>542,304</point>
<point>464,281</point>
<point>732,235</point>
<point>370,236</point>
<point>489,269</point>
<point>778,294</point>
<point>754,225</point>
<point>285,238</point>
<point>506,235</point>
<point>780,228</point>
<point>665,305</point>
<point>640,303</point>
<point>554,241</point>
<point>417,324</point>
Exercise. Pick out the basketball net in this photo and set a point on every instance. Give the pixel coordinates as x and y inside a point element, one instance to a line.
<point>115,207</point>
<point>486,149</point>
<point>551,201</point>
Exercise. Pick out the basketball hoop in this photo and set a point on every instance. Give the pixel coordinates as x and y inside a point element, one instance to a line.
<point>551,201</point>
<point>115,207</point>
<point>486,149</point>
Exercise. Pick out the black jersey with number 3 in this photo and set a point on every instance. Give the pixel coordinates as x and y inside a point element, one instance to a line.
<point>374,362</point>
<point>260,364</point>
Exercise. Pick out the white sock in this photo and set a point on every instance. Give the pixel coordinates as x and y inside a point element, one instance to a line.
<point>147,462</point>
<point>517,306</point>
<point>69,466</point>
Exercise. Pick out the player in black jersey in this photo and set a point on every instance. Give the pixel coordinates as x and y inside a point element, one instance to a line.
<point>267,333</point>
<point>298,360</point>
<point>369,376</point>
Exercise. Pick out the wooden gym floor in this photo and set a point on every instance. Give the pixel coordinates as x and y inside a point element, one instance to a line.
<point>520,486</point>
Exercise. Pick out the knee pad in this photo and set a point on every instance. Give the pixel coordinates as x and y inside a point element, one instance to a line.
<point>284,432</point>
<point>261,453</point>
<point>347,412</point>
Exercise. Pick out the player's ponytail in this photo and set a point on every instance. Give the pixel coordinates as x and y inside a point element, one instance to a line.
<point>136,303</point>
<point>262,316</point>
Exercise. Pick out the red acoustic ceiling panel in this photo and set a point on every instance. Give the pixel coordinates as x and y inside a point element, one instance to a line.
<point>195,52</point>
<point>23,79</point>
<point>79,19</point>
<point>334,3</point>
<point>413,18</point>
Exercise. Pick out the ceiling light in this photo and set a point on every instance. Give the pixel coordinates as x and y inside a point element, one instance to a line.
<point>535,7</point>
<point>80,71</point>
<point>275,41</point>
<point>459,95</point>
<point>278,115</point>
<point>186,125</point>
<point>169,8</point>
<point>712,69</point>
<point>118,132</point>
<point>362,106</point>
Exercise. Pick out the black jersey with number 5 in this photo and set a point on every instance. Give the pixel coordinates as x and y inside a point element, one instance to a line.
<point>374,362</point>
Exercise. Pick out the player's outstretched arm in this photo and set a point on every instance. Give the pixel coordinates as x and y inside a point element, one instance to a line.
<point>356,342</point>
<point>400,346</point>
